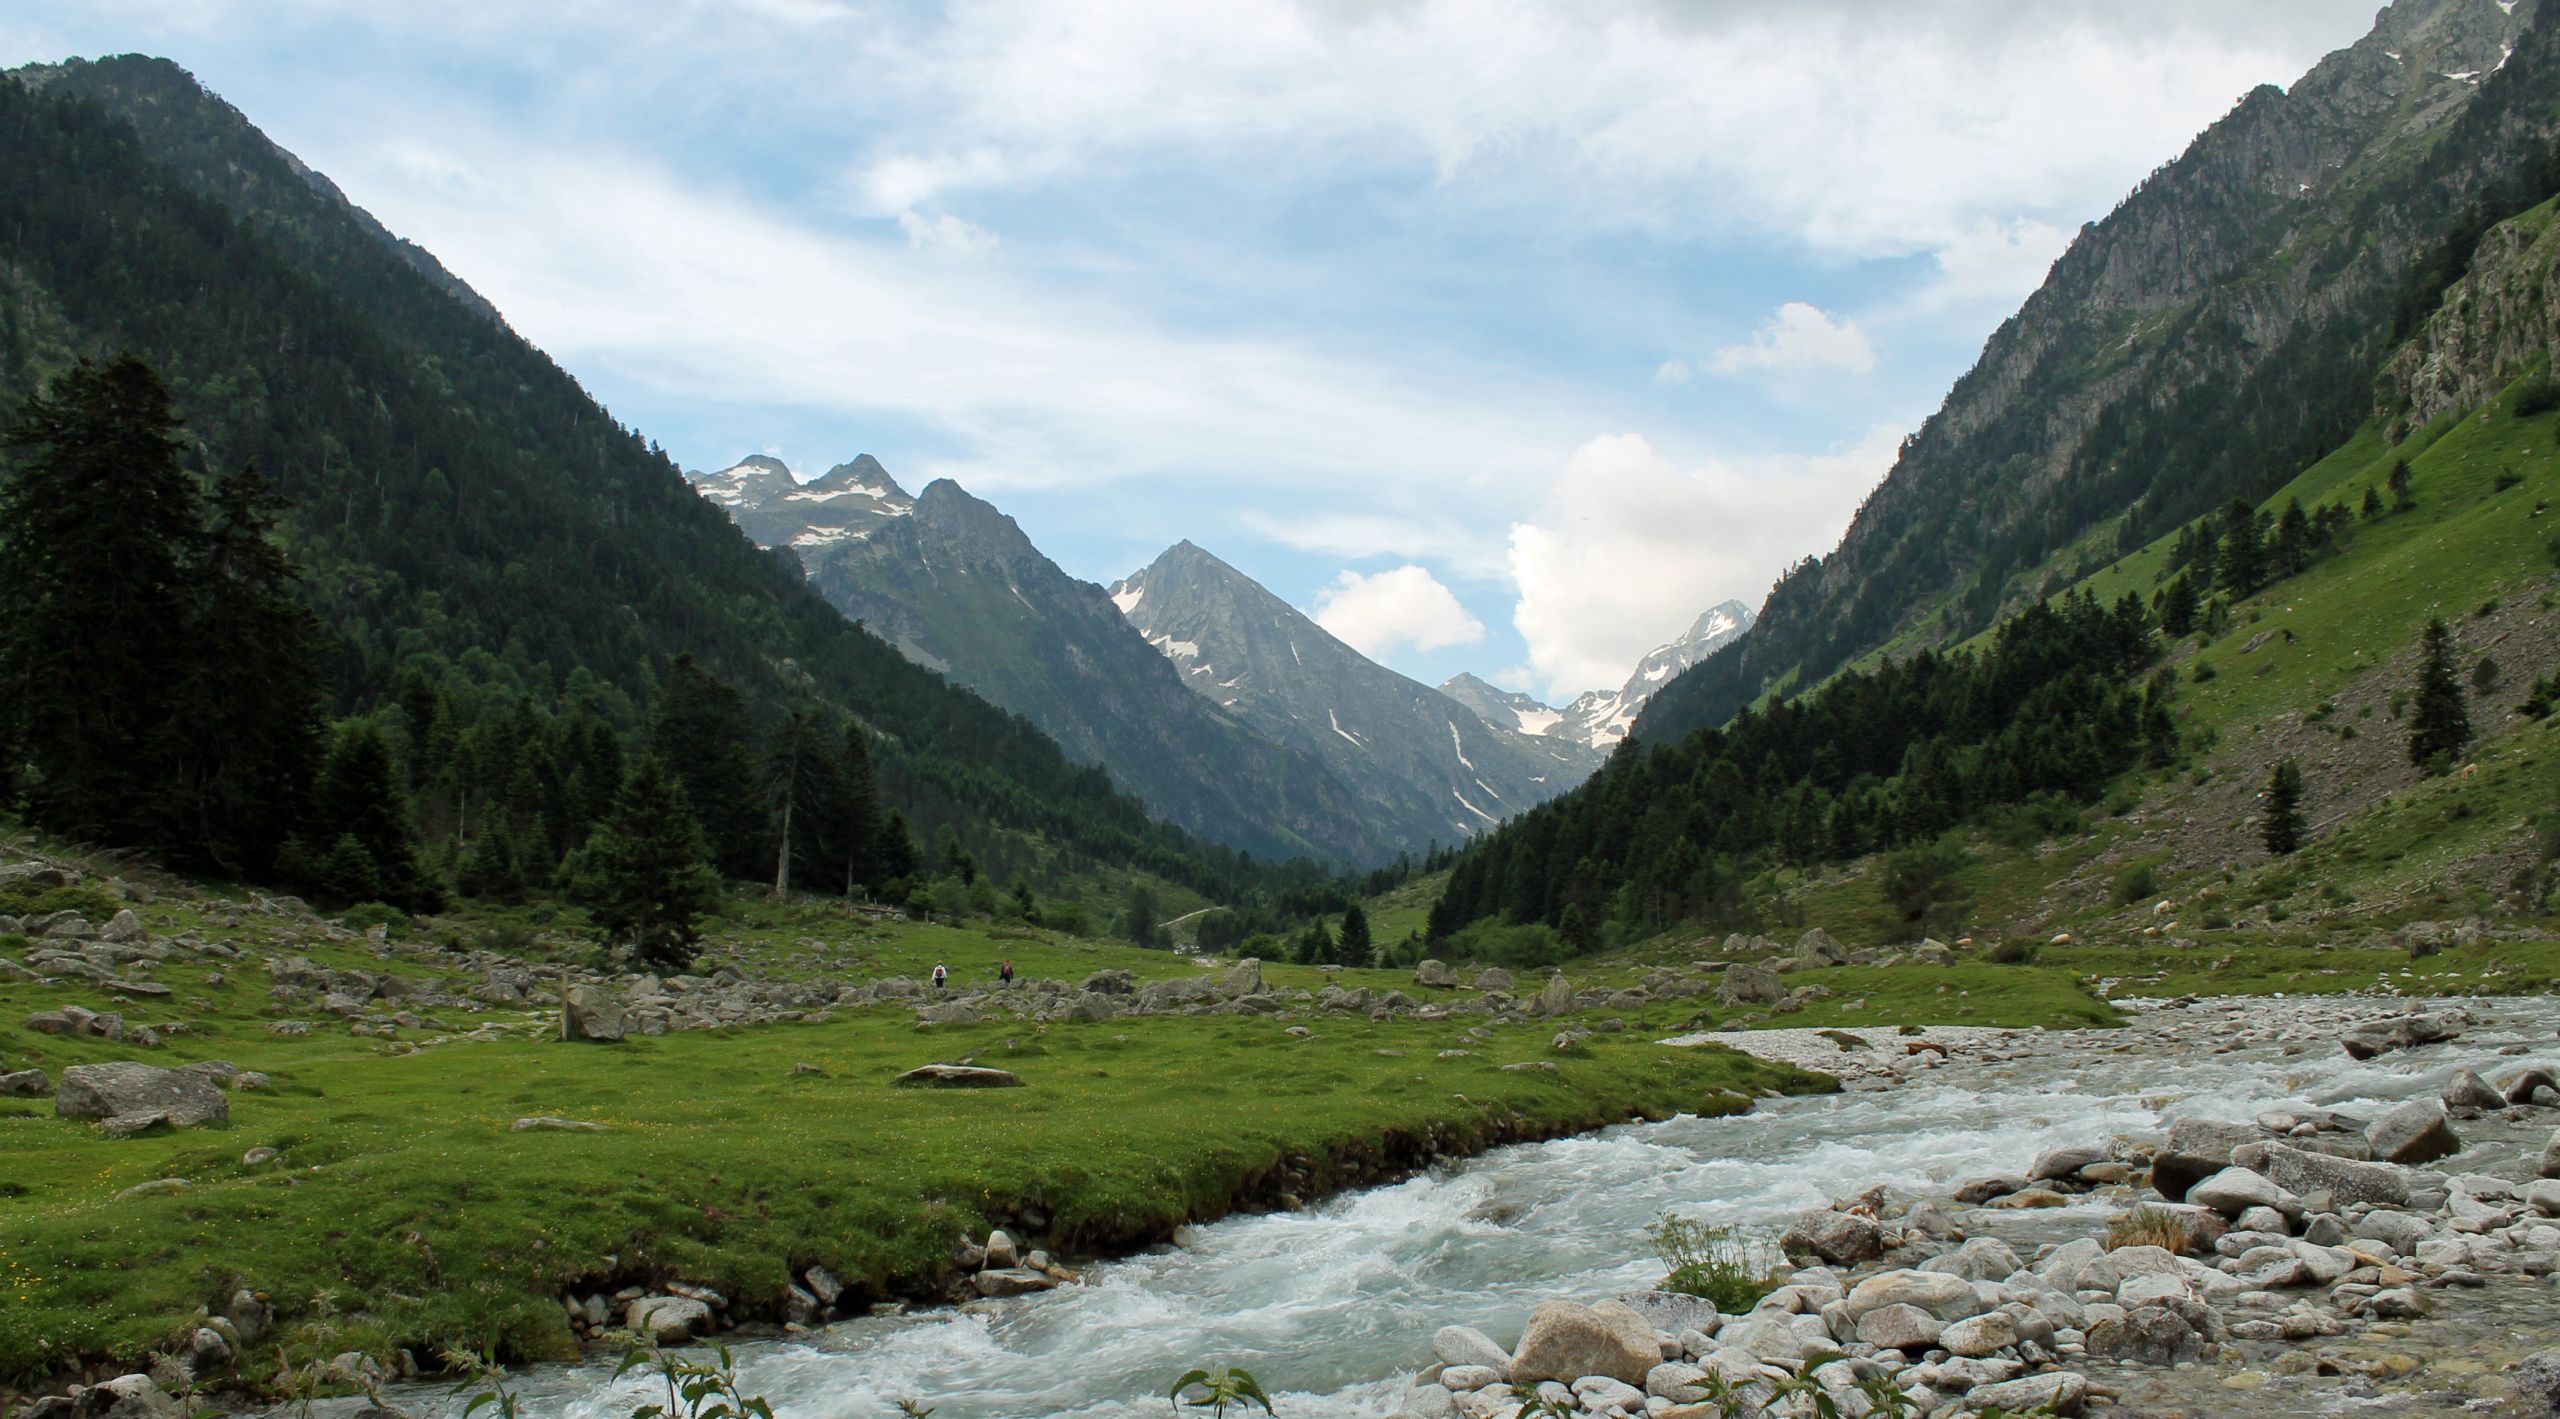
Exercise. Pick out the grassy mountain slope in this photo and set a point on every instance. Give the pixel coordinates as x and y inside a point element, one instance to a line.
<point>456,494</point>
<point>2220,329</point>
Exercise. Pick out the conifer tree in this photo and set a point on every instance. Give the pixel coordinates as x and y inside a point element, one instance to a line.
<point>2243,555</point>
<point>800,779</point>
<point>2372,507</point>
<point>2281,825</point>
<point>99,536</point>
<point>858,815</point>
<point>1138,923</point>
<point>253,695</point>
<point>2439,722</point>
<point>357,799</point>
<point>2178,608</point>
<point>698,729</point>
<point>896,852</point>
<point>2292,551</point>
<point>645,875</point>
<point>1352,947</point>
<point>2402,499</point>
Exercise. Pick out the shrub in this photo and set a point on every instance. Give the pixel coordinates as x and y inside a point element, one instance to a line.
<point>2507,478</point>
<point>2136,883</point>
<point>1719,1263</point>
<point>2148,1227</point>
<point>28,899</point>
<point>1531,944</point>
<point>2018,951</point>
<point>364,916</point>
<point>2538,394</point>
<point>2202,672</point>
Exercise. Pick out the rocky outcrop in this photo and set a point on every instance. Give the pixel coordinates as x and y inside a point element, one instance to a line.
<point>2494,324</point>
<point>131,1095</point>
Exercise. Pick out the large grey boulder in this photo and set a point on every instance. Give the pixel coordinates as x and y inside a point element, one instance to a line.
<point>2150,1335</point>
<point>129,1089</point>
<point>1834,1238</point>
<point>2550,1165</point>
<point>1493,978</point>
<point>1245,977</point>
<point>1946,1297</point>
<point>2061,1391</point>
<point>1464,1345</point>
<point>666,1320</point>
<point>2535,1382</point>
<point>1012,1281</point>
<point>2235,1190</point>
<point>591,1013</point>
<point>1435,974</point>
<point>1556,997</point>
<point>25,1084</point>
<point>2467,1090</point>
<point>2415,1132</point>
<point>1566,1341</point>
<point>2347,1182</point>
<point>2196,1149</point>
<point>2521,1087</point>
<point>1900,1326</point>
<point>1750,985</point>
<point>1671,1312</point>
<point>2398,1033</point>
<point>126,1397</point>
<point>1818,948</point>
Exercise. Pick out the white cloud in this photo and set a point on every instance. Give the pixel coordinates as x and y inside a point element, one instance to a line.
<point>1629,548</point>
<point>1672,372</point>
<point>1991,263</point>
<point>1405,606</point>
<point>946,233</point>
<point>1799,337</point>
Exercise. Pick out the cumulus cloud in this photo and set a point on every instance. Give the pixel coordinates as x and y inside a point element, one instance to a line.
<point>1406,606</point>
<point>1629,547</point>
<point>946,233</point>
<point>1673,372</point>
<point>1799,337</point>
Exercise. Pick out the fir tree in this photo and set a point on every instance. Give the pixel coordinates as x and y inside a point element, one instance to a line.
<point>896,852</point>
<point>358,799</point>
<point>645,874</point>
<point>253,712</point>
<point>2242,563</point>
<point>2402,499</point>
<point>799,771</point>
<point>858,815</point>
<point>1138,922</point>
<point>2439,722</point>
<point>2372,507</point>
<point>2178,608</point>
<point>2281,826</point>
<point>2292,551</point>
<point>699,728</point>
<point>99,536</point>
<point>1352,947</point>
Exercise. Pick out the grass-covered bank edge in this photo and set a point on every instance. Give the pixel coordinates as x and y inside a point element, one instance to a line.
<point>403,1214</point>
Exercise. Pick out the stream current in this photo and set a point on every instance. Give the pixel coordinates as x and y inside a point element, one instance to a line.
<point>1331,1307</point>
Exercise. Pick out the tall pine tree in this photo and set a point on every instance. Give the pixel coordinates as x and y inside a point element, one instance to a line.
<point>2280,826</point>
<point>2439,723</point>
<point>253,697</point>
<point>99,534</point>
<point>645,875</point>
<point>698,729</point>
<point>357,804</point>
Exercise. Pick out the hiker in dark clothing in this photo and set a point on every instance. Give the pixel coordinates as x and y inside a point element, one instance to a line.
<point>1005,973</point>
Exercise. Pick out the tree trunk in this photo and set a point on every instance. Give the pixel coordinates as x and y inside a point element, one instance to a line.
<point>782,860</point>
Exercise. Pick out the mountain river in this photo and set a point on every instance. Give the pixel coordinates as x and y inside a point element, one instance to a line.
<point>1332,1306</point>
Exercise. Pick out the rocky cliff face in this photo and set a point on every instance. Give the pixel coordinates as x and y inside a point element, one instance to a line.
<point>2494,324</point>
<point>2214,332</point>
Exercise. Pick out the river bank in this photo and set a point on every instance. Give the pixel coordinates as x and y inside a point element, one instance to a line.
<point>1335,1307</point>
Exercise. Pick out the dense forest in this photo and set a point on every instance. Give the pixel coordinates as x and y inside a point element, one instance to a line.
<point>2054,708</point>
<point>504,577</point>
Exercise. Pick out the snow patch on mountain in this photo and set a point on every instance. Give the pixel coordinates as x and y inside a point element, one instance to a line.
<point>1601,718</point>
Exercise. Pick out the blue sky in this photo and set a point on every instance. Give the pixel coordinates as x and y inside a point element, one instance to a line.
<point>1505,337</point>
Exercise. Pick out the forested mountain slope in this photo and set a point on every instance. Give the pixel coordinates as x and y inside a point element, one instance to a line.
<point>2218,330</point>
<point>458,500</point>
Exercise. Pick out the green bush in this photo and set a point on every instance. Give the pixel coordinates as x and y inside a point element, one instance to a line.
<point>2016,952</point>
<point>28,899</point>
<point>1719,1263</point>
<point>2539,394</point>
<point>2202,672</point>
<point>364,916</point>
<point>2136,883</point>
<point>1494,944</point>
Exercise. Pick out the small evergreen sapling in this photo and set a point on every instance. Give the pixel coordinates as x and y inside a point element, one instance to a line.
<point>2439,722</point>
<point>2281,825</point>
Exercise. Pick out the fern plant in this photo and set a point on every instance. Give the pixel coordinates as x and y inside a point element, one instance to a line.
<point>696,1389</point>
